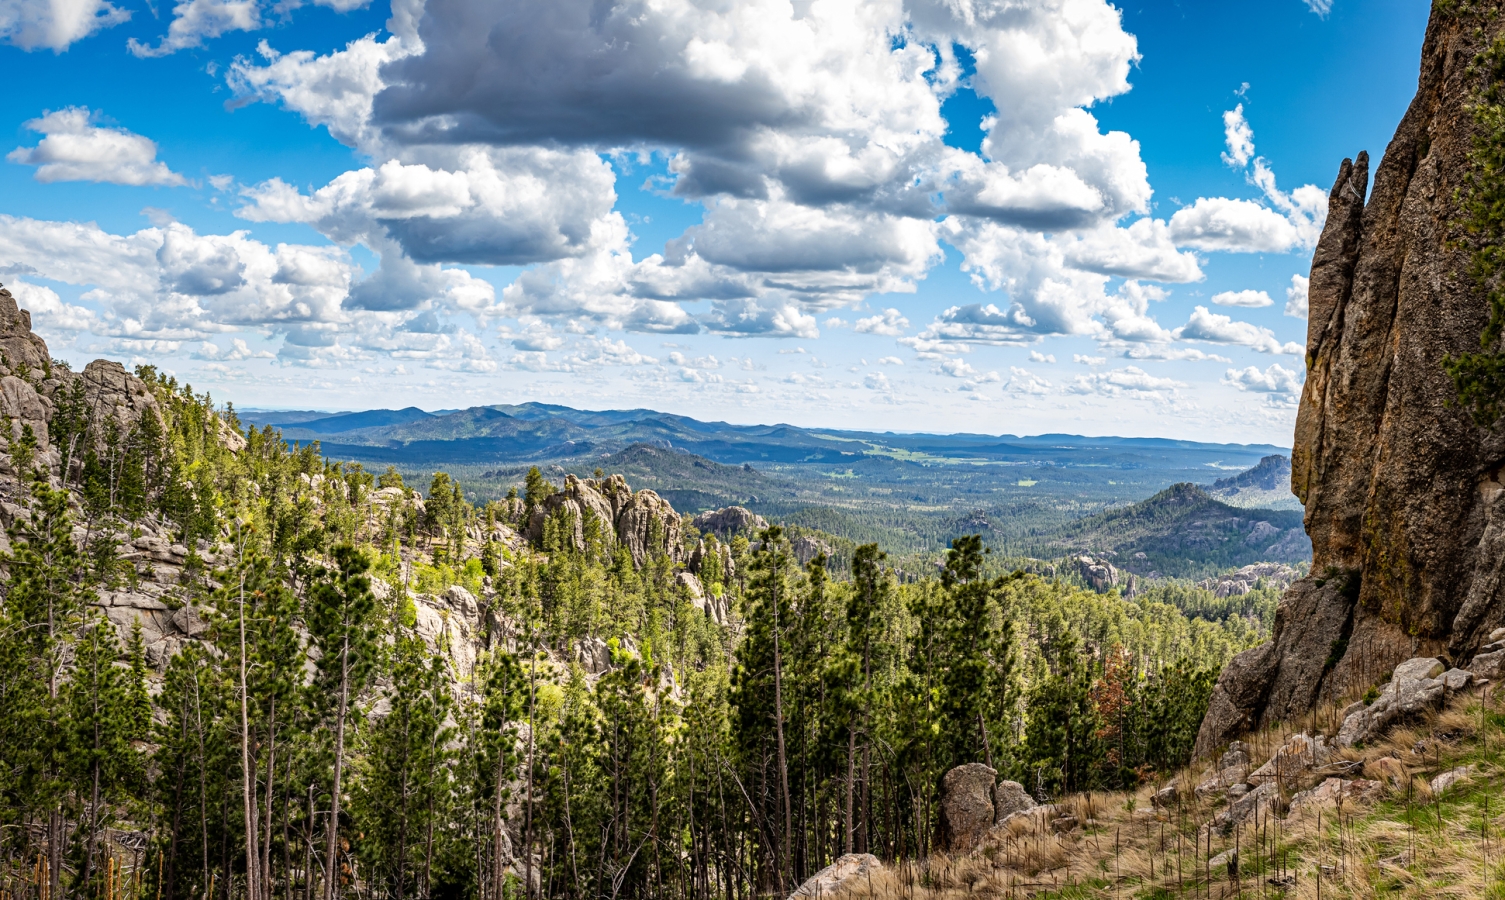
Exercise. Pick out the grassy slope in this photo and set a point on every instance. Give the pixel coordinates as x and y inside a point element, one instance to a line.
<point>1406,844</point>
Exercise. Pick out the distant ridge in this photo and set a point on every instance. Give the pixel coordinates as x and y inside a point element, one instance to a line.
<point>343,422</point>
<point>1266,486</point>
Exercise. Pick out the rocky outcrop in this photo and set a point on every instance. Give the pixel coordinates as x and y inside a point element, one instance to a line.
<point>807,548</point>
<point>1248,578</point>
<point>1099,574</point>
<point>17,342</point>
<point>643,522</point>
<point>1403,493</point>
<point>729,522</point>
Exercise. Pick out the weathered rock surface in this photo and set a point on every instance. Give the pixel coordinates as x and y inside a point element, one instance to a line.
<point>806,548</point>
<point>729,522</point>
<point>1417,686</point>
<point>643,522</point>
<point>1404,499</point>
<point>967,810</point>
<point>17,342</point>
<point>840,875</point>
<point>1009,797</point>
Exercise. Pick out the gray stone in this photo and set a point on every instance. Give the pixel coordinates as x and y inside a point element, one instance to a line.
<point>1456,679</point>
<point>839,876</point>
<point>1489,665</point>
<point>188,621</point>
<point>1009,797</point>
<point>966,807</point>
<point>1441,783</point>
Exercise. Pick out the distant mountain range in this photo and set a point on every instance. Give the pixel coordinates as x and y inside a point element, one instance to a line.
<point>537,432</point>
<point>912,493</point>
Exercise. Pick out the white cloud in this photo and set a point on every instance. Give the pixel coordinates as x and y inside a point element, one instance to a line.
<point>1130,381</point>
<point>1088,360</point>
<point>1239,137</point>
<point>1208,326</point>
<point>889,322</point>
<point>890,361</point>
<point>55,24</point>
<point>1037,356</point>
<point>1163,353</point>
<point>699,362</point>
<point>1320,7</point>
<point>877,381</point>
<point>239,350</point>
<point>956,368</point>
<point>195,21</point>
<point>1235,226</point>
<point>50,316</point>
<point>1247,299</point>
<point>75,149</point>
<point>1025,382</point>
<point>1275,380</point>
<point>835,322</point>
<point>1296,297</point>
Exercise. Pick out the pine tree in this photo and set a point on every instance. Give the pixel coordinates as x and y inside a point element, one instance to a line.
<point>342,624</point>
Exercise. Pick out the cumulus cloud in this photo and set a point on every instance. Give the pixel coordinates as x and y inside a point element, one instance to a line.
<point>877,381</point>
<point>239,350</point>
<point>1235,226</point>
<point>889,322</point>
<point>1088,360</point>
<point>1022,381</point>
<point>50,315</point>
<point>890,361</point>
<point>55,24</point>
<point>1219,329</point>
<point>1130,381</point>
<point>1037,356</point>
<point>956,368</point>
<point>1283,222</point>
<point>1296,297</point>
<point>1274,380</point>
<point>1247,298</point>
<point>73,148</point>
<point>195,21</point>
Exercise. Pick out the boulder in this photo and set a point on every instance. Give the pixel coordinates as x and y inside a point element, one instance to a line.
<point>966,807</point>
<point>1099,574</point>
<point>1248,803</point>
<point>1414,688</point>
<point>594,655</point>
<point>1300,754</point>
<point>188,621</point>
<point>1441,783</point>
<point>1489,665</point>
<point>117,400</point>
<point>839,876</point>
<point>1335,790</point>
<point>1009,797</point>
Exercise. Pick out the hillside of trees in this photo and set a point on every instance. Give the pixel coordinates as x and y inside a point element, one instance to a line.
<point>233,668</point>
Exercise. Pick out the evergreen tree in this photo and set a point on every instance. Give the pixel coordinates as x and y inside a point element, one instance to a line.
<point>342,625</point>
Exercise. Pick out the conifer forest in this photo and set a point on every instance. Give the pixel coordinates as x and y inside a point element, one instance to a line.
<point>234,669</point>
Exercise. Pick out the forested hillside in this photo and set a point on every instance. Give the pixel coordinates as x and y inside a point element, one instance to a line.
<point>230,668</point>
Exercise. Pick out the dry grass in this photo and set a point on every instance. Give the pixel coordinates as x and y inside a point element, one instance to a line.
<point>1407,843</point>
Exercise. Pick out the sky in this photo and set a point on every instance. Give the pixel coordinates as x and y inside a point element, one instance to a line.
<point>995,216</point>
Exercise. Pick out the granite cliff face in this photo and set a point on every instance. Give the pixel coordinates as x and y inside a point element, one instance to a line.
<point>1403,493</point>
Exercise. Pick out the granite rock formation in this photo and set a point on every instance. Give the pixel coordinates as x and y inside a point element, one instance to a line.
<point>1403,494</point>
<point>641,521</point>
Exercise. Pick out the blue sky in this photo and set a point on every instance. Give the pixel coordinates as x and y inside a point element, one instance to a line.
<point>773,211</point>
